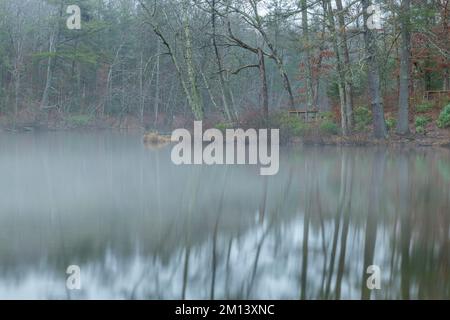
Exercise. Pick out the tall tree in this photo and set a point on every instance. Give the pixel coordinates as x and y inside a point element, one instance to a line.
<point>196,99</point>
<point>328,11</point>
<point>405,68</point>
<point>307,53</point>
<point>370,41</point>
<point>347,66</point>
<point>224,88</point>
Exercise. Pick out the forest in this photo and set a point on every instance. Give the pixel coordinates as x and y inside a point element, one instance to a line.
<point>375,68</point>
<point>355,95</point>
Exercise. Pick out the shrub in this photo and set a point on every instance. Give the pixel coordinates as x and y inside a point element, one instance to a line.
<point>329,127</point>
<point>420,130</point>
<point>391,123</point>
<point>444,118</point>
<point>79,120</point>
<point>326,115</point>
<point>363,118</point>
<point>290,126</point>
<point>300,128</point>
<point>424,107</point>
<point>422,121</point>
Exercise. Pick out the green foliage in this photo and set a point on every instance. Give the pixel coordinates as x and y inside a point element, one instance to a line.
<point>327,115</point>
<point>81,120</point>
<point>420,130</point>
<point>444,118</point>
<point>391,123</point>
<point>422,121</point>
<point>327,124</point>
<point>329,127</point>
<point>363,118</point>
<point>289,126</point>
<point>424,107</point>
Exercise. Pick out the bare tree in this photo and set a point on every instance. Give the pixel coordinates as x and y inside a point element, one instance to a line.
<point>405,68</point>
<point>379,123</point>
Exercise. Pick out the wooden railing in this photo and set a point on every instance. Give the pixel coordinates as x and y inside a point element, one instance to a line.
<point>439,94</point>
<point>306,115</point>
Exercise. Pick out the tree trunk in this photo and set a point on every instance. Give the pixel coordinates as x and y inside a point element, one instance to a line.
<point>226,97</point>
<point>306,45</point>
<point>52,47</point>
<point>346,67</point>
<point>191,92</point>
<point>379,123</point>
<point>447,79</point>
<point>196,100</point>
<point>16,88</point>
<point>286,82</point>
<point>157,89</point>
<point>274,54</point>
<point>340,68</point>
<point>405,67</point>
<point>141,89</point>
<point>45,94</point>
<point>264,94</point>
<point>445,27</point>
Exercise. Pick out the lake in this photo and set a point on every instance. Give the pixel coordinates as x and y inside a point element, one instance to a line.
<point>140,227</point>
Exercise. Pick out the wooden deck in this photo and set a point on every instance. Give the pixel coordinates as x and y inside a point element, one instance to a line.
<point>306,115</point>
<point>436,95</point>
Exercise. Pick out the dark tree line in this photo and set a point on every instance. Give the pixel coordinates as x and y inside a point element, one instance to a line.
<point>159,62</point>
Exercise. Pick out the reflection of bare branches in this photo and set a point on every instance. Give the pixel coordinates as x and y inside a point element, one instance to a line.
<point>216,227</point>
<point>306,222</point>
<point>337,226</point>
<point>374,209</point>
<point>258,252</point>
<point>185,272</point>
<point>393,250</point>
<point>170,228</point>
<point>193,198</point>
<point>262,207</point>
<point>345,228</point>
<point>305,254</point>
<point>227,268</point>
<point>214,260</point>
<point>324,241</point>
<point>404,197</point>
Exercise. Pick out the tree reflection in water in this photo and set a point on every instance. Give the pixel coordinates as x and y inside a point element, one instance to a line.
<point>140,227</point>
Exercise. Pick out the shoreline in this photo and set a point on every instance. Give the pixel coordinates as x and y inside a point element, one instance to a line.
<point>434,137</point>
<point>355,140</point>
<point>392,141</point>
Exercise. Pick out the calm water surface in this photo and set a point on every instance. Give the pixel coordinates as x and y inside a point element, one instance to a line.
<point>140,227</point>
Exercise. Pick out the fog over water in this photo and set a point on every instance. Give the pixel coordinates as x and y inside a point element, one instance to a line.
<point>140,227</point>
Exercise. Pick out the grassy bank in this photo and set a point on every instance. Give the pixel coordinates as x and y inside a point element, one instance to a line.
<point>429,126</point>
